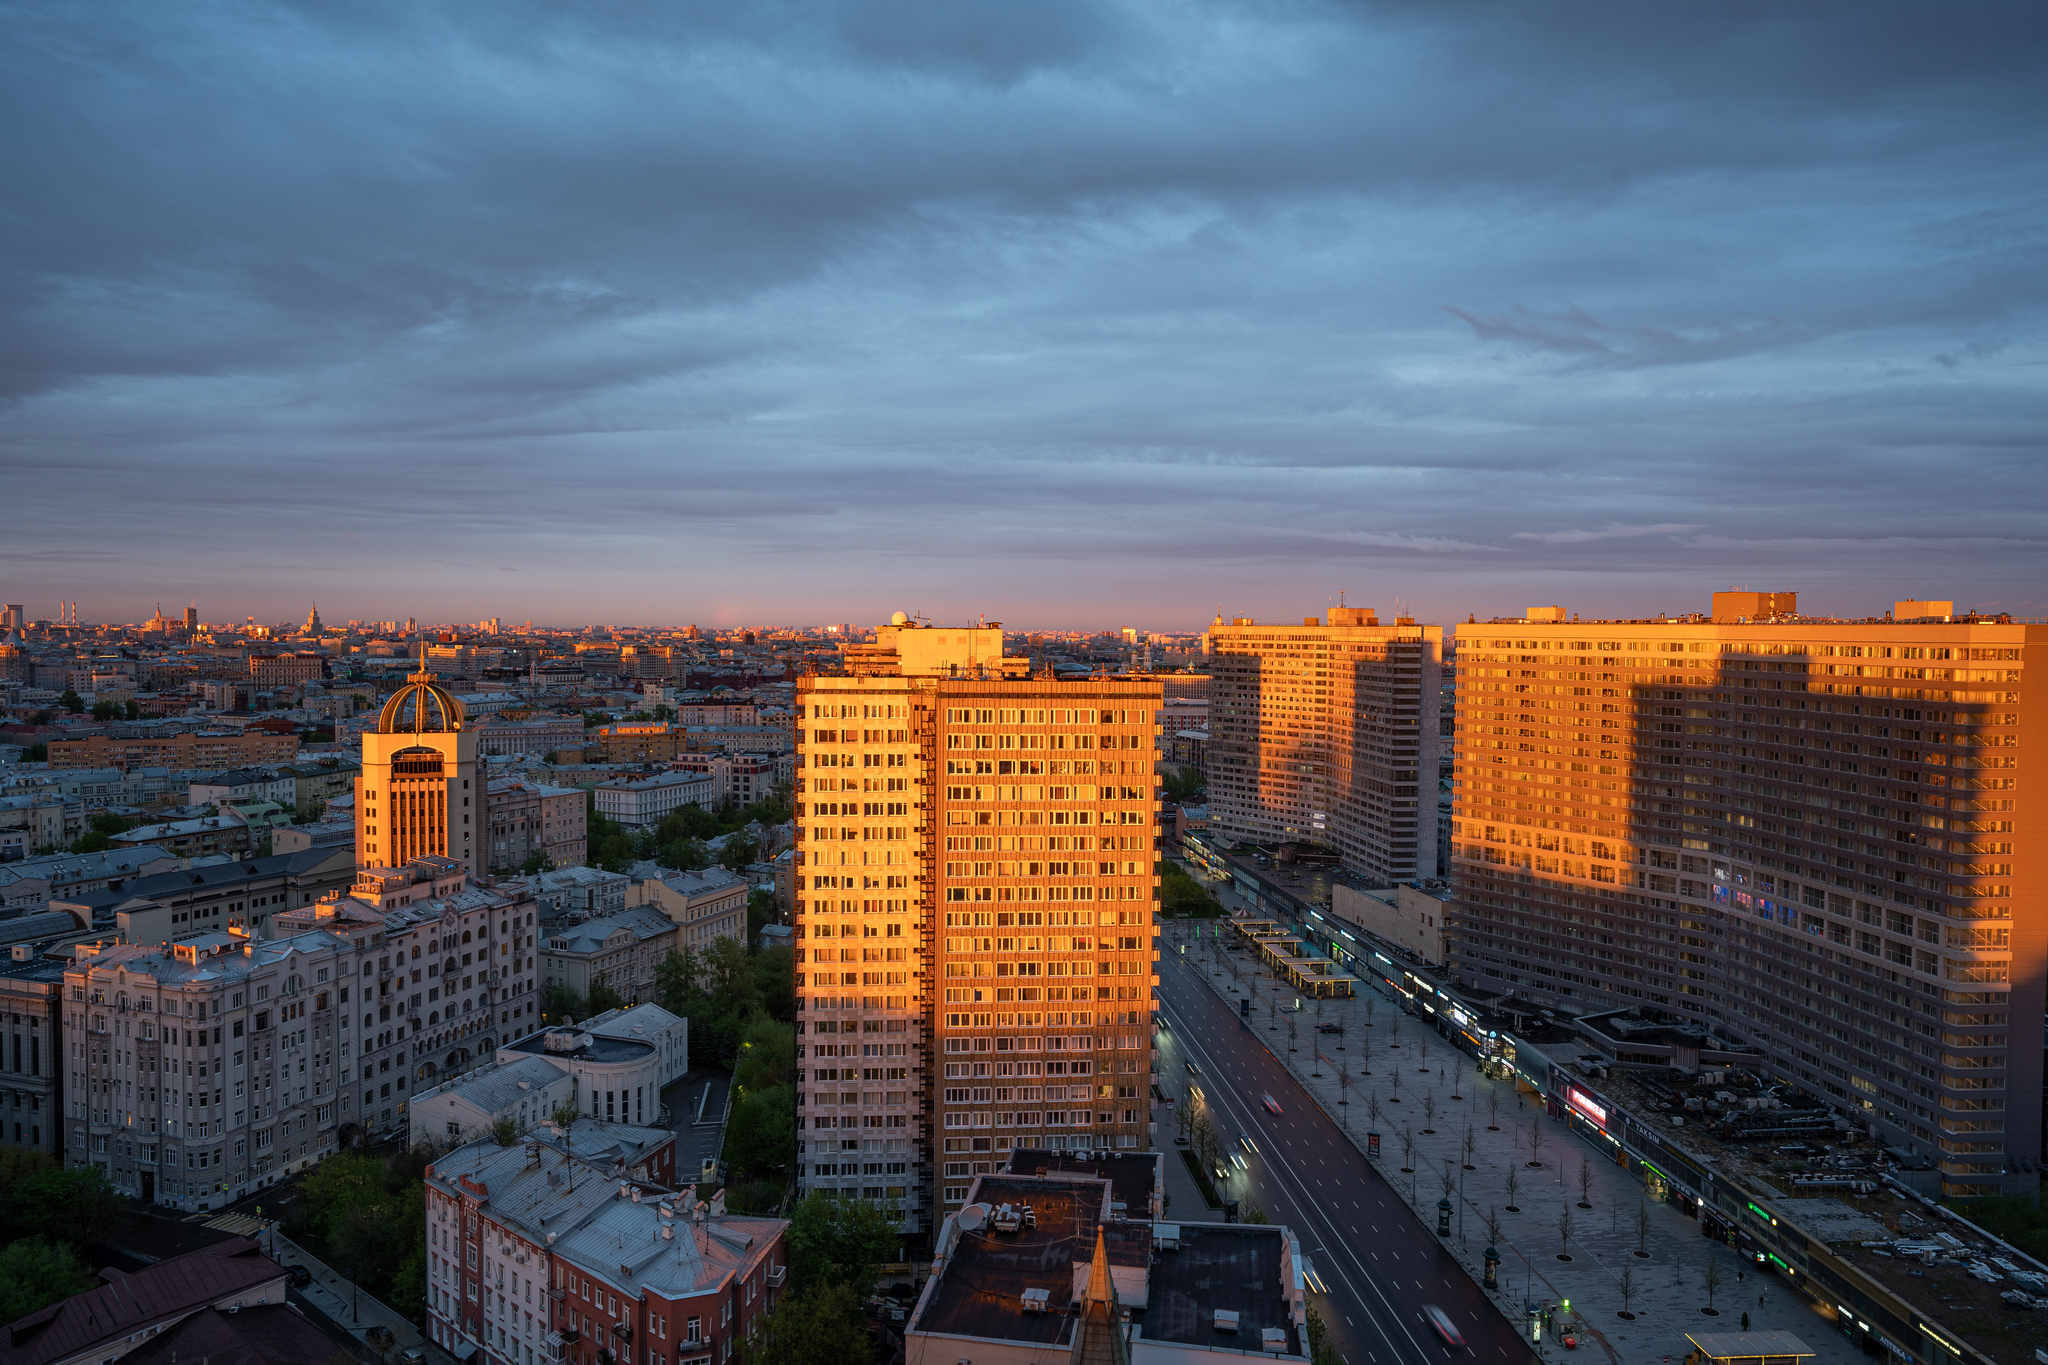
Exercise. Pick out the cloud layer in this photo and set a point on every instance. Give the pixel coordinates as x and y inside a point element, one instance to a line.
<point>1067,313</point>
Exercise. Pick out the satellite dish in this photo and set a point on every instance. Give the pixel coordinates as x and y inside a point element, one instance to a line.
<point>973,1218</point>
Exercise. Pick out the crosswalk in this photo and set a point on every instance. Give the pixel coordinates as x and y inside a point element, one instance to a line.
<point>241,1224</point>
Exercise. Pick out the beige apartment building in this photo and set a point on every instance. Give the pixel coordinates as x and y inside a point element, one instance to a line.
<point>180,753</point>
<point>1805,835</point>
<point>1326,733</point>
<point>975,898</point>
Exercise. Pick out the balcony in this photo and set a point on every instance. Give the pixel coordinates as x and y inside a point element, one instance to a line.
<point>776,1275</point>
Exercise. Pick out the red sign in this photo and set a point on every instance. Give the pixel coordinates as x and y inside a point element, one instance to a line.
<point>1581,1101</point>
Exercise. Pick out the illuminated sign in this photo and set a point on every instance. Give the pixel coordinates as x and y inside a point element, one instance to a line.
<point>1581,1101</point>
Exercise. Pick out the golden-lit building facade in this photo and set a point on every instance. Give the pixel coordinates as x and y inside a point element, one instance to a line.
<point>1807,836</point>
<point>976,960</point>
<point>418,792</point>
<point>1327,732</point>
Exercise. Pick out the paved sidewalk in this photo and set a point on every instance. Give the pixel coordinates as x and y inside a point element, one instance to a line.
<point>1666,1291</point>
<point>329,1291</point>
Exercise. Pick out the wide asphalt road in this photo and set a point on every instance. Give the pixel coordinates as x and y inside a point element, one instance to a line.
<point>1380,1263</point>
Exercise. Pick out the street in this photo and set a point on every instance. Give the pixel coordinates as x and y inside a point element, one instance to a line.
<point>1380,1263</point>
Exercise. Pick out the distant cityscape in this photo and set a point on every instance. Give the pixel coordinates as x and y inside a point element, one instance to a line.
<point>1779,842</point>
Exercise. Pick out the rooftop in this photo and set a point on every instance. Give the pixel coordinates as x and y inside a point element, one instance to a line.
<point>580,1046</point>
<point>1248,1269</point>
<point>125,1304</point>
<point>624,1233</point>
<point>1134,1176</point>
<point>978,1292</point>
<point>591,935</point>
<point>494,1088</point>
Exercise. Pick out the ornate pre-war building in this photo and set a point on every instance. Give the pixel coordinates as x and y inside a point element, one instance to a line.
<point>419,794</point>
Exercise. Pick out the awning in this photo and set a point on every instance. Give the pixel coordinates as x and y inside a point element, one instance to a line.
<point>466,1351</point>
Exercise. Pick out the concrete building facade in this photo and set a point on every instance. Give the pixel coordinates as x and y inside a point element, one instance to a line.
<point>974,907</point>
<point>1808,836</point>
<point>1326,733</point>
<point>525,817</point>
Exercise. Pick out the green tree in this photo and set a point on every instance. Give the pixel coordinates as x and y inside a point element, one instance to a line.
<point>1249,1212</point>
<point>35,1273</point>
<point>664,711</point>
<point>762,911</point>
<point>767,1054</point>
<point>310,812</point>
<point>684,854</point>
<point>339,1187</point>
<point>1320,1351</point>
<point>738,850</point>
<point>71,702</point>
<point>820,1326</point>
<point>603,997</point>
<point>535,862</point>
<point>761,1136</point>
<point>840,1242</point>
<point>775,975</point>
<point>676,980</point>
<point>559,1002</point>
<point>104,710</point>
<point>77,1206</point>
<point>134,710</point>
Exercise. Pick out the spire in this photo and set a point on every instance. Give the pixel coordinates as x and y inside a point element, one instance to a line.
<point>1099,1290</point>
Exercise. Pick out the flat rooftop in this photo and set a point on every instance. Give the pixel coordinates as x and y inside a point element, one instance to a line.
<point>593,1047</point>
<point>979,1293</point>
<point>1242,1267</point>
<point>1132,1175</point>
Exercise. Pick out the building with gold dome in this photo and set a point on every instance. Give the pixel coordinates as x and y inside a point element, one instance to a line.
<point>419,793</point>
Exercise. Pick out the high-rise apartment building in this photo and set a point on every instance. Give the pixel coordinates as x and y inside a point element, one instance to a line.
<point>1326,733</point>
<point>418,794</point>
<point>1807,835</point>
<point>976,962</point>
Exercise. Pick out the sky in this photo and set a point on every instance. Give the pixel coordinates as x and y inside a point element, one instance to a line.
<point>1065,314</point>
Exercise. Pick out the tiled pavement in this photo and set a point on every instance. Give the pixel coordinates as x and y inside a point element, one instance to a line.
<point>1666,1291</point>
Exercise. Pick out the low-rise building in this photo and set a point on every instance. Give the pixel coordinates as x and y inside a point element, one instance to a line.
<point>618,951</point>
<point>200,837</point>
<point>33,823</point>
<point>640,802</point>
<point>237,897</point>
<point>1045,1268</point>
<point>324,834</point>
<point>238,785</point>
<point>586,891</point>
<point>610,1263</point>
<point>704,905</point>
<point>738,779</point>
<point>617,1080</point>
<point>637,741</point>
<point>1405,916</point>
<point>33,883</point>
<point>670,1034</point>
<point>523,1093</point>
<point>207,750</point>
<point>126,1313</point>
<point>539,735</point>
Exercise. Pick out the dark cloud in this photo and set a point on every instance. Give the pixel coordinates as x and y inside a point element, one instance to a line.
<point>1069,311</point>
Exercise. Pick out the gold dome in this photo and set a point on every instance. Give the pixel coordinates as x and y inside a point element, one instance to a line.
<point>427,697</point>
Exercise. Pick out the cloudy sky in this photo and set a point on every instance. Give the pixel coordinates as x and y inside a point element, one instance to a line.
<point>1061,312</point>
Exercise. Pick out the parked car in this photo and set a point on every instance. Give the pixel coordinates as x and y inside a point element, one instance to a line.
<point>298,1275</point>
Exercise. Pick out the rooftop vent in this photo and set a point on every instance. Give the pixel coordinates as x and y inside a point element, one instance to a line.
<point>1226,1321</point>
<point>1037,1300</point>
<point>1274,1340</point>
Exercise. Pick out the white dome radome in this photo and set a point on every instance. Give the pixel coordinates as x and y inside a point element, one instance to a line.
<point>897,618</point>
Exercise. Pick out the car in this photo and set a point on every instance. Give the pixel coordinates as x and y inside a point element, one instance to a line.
<point>412,1356</point>
<point>1193,1070</point>
<point>1244,1140</point>
<point>298,1275</point>
<point>1272,1105</point>
<point>1237,1160</point>
<point>1445,1328</point>
<point>1329,1028</point>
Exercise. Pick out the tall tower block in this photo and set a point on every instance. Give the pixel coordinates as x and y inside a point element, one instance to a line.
<point>418,792</point>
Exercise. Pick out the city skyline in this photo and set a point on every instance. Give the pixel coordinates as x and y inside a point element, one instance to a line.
<point>1145,307</point>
